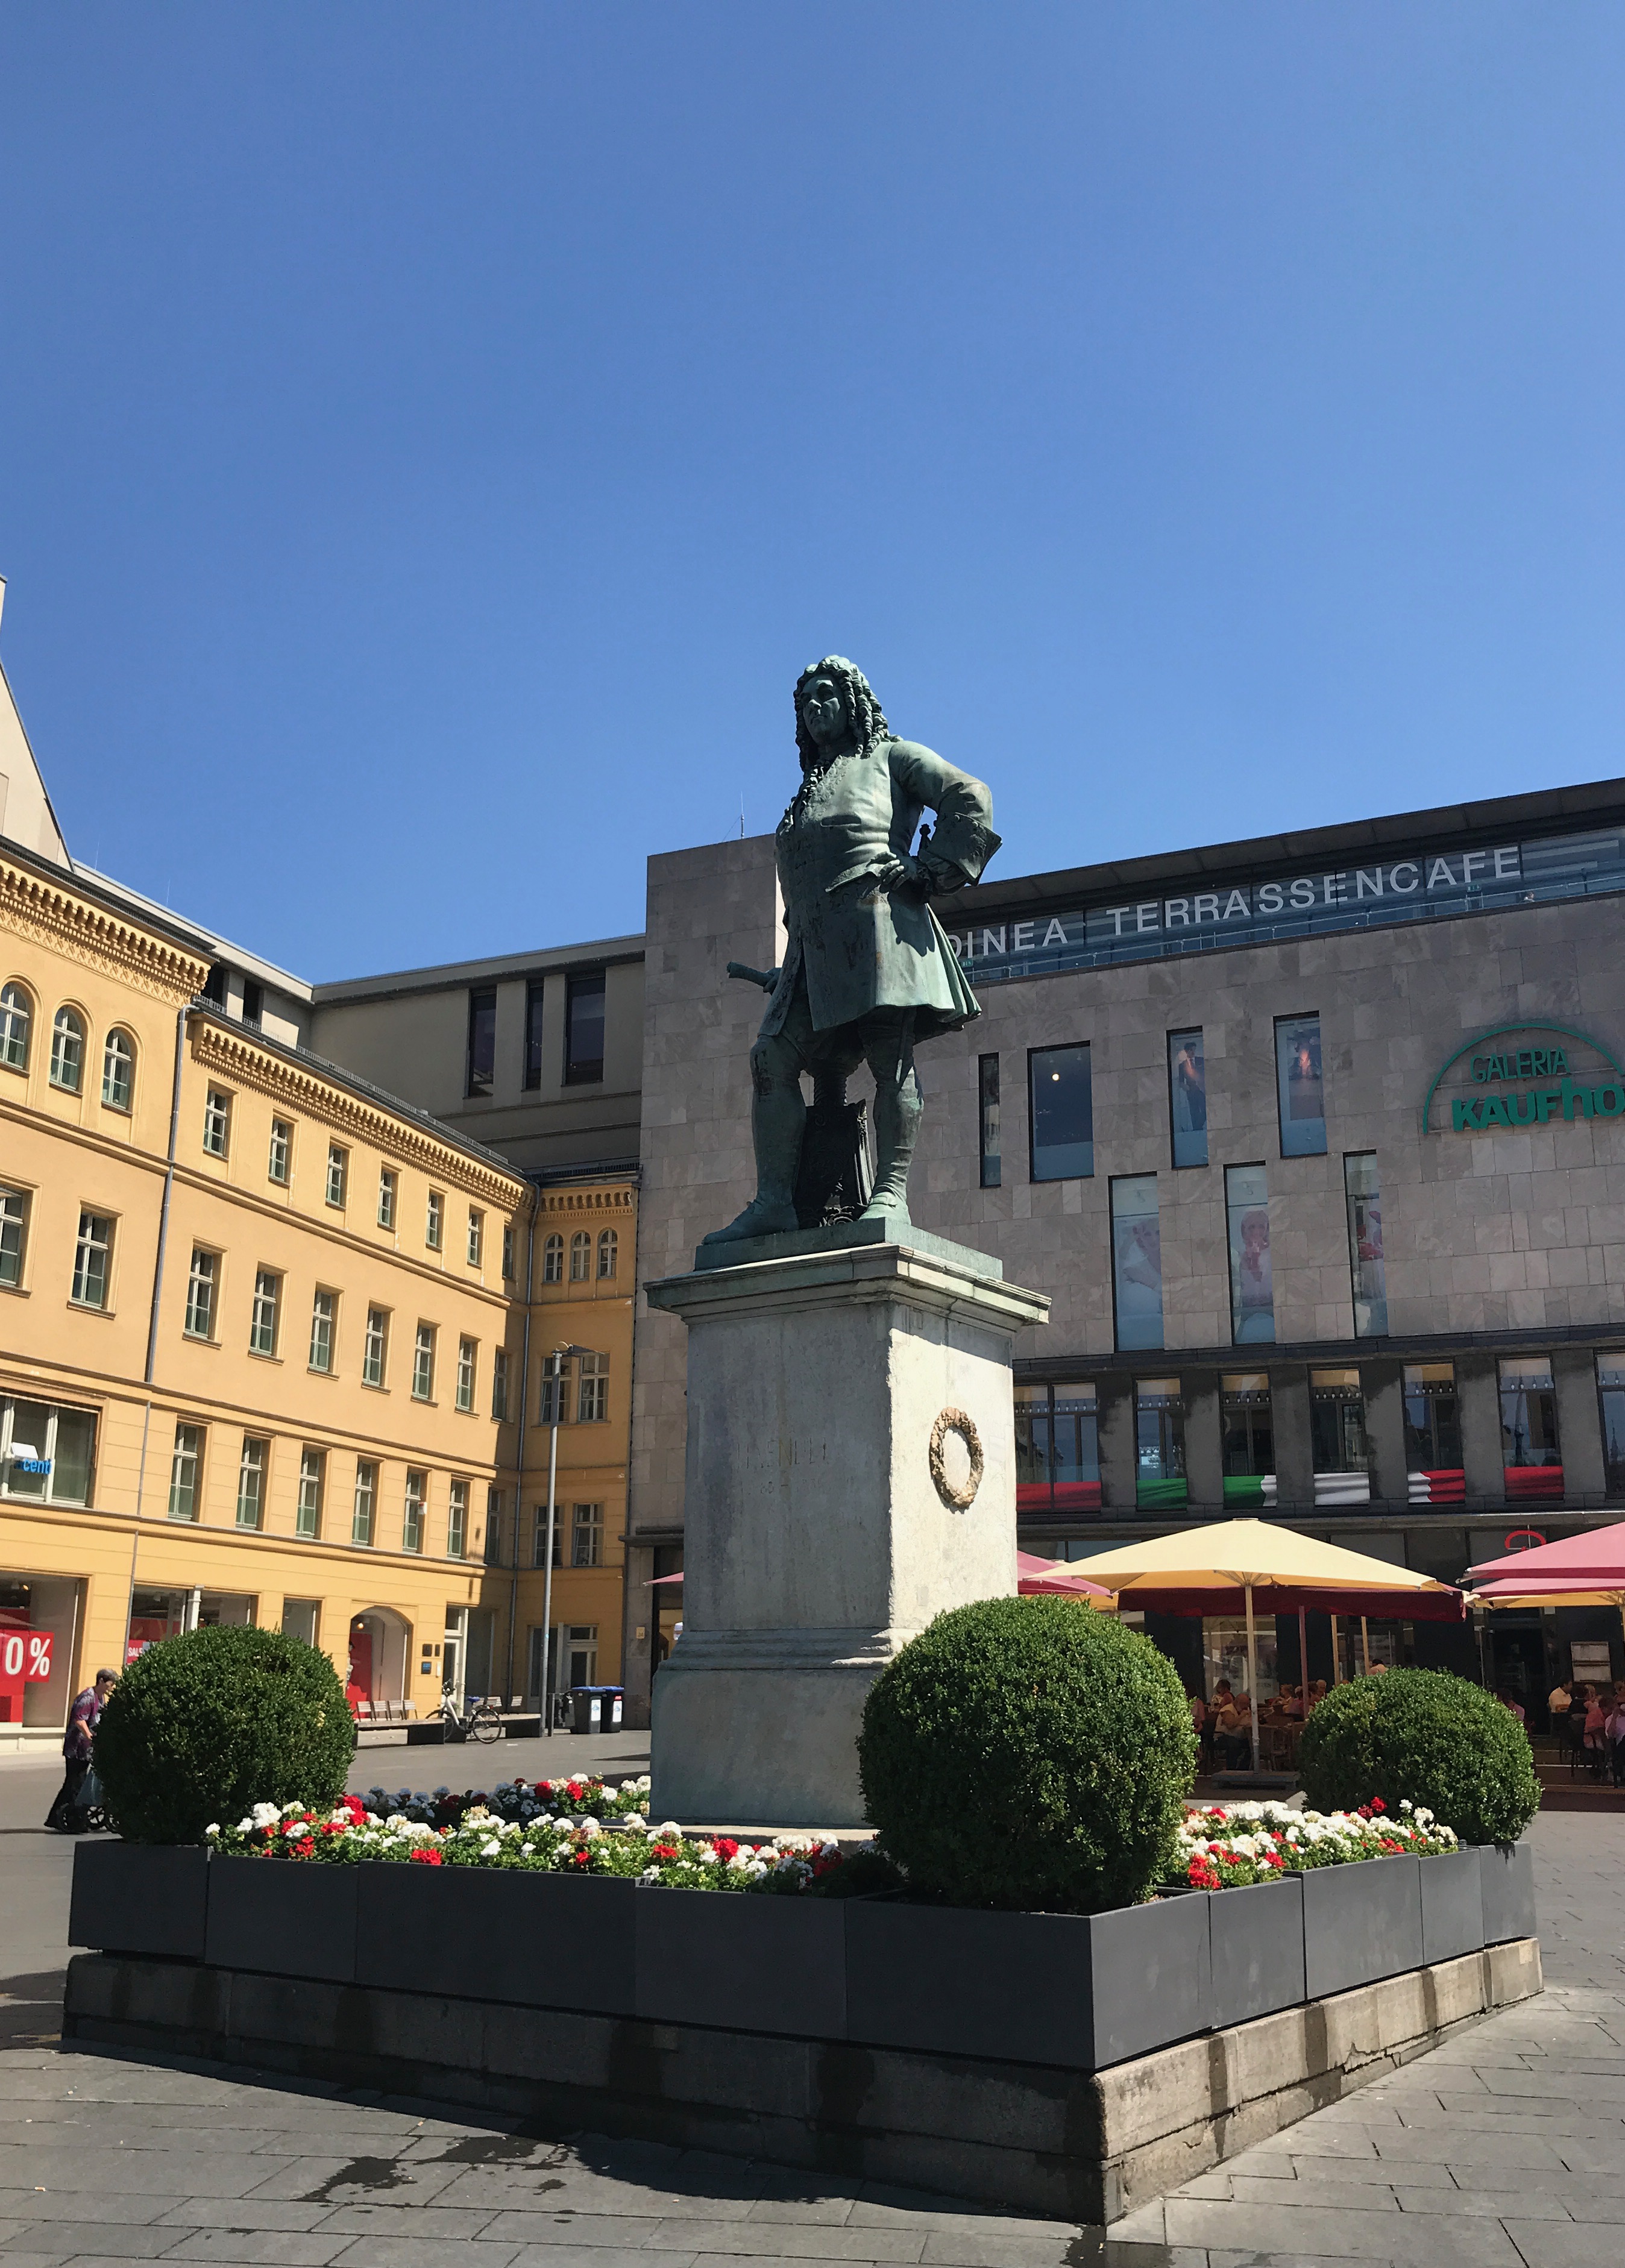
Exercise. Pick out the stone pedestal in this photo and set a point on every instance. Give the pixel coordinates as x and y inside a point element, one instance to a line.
<point>850,1475</point>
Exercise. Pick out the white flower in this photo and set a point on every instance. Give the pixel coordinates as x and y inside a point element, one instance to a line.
<point>211,1830</point>
<point>742,1862</point>
<point>650,1875</point>
<point>245,1826</point>
<point>491,1850</point>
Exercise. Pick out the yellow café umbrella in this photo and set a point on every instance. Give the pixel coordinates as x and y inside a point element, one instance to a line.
<point>1200,1570</point>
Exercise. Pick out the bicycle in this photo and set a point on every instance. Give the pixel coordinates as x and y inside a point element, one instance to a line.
<point>480,1720</point>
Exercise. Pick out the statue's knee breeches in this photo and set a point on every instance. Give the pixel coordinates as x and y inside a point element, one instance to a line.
<point>775,1064</point>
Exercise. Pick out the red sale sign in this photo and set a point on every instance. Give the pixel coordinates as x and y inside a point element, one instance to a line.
<point>25,1660</point>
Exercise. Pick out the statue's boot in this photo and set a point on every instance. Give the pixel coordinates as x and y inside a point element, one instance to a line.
<point>778,1118</point>
<point>898,1112</point>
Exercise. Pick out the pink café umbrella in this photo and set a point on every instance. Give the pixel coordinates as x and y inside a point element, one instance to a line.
<point>1595,1559</point>
<point>1048,1579</point>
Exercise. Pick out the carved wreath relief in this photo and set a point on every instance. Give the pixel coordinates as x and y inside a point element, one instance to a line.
<point>962,1497</point>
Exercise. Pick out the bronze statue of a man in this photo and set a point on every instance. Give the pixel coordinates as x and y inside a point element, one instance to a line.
<point>868,970</point>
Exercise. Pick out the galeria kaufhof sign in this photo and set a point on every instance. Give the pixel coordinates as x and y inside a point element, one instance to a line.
<point>1423,887</point>
<point>1524,1075</point>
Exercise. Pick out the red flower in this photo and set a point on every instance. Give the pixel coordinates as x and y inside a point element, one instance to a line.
<point>726,1848</point>
<point>582,1858</point>
<point>665,1852</point>
<point>1378,1804</point>
<point>426,1859</point>
<point>573,1790</point>
<point>304,1850</point>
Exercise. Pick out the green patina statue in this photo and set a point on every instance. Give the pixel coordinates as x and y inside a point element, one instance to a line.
<point>868,970</point>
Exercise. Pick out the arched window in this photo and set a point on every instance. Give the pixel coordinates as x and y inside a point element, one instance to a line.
<point>118,1070</point>
<point>67,1050</point>
<point>607,1243</point>
<point>553,1260</point>
<point>16,1018</point>
<point>580,1256</point>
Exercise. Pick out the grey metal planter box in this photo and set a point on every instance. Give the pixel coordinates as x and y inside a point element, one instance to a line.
<point>1361,1922</point>
<point>755,1964</point>
<point>282,1918</point>
<point>139,1897</point>
<point>533,1941</point>
<point>1256,1939</point>
<point>1453,1905</point>
<point>1079,1990</point>
<point>1506,1877</point>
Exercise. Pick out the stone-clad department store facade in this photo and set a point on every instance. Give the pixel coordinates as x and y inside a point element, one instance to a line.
<point>1317,1144</point>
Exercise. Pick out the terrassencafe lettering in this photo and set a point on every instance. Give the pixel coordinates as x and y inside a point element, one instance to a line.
<point>1235,904</point>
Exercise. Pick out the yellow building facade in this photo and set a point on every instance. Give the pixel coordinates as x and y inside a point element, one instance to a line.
<point>263,1338</point>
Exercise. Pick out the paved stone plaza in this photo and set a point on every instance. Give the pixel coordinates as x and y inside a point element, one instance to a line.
<point>1506,2147</point>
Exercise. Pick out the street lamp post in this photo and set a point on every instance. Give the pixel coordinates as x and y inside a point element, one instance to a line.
<point>556,1361</point>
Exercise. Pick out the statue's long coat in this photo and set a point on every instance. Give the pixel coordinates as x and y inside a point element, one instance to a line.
<point>862,946</point>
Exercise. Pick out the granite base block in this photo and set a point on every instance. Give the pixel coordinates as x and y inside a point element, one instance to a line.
<point>1031,2137</point>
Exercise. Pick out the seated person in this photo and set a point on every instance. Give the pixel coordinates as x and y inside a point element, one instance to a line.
<point>1233,1732</point>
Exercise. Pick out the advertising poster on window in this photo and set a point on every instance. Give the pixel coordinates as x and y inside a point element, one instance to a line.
<point>1137,1261</point>
<point>1302,1089</point>
<point>1187,1098</point>
<point>1252,1283</point>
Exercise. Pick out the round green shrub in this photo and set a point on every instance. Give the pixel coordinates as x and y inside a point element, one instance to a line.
<point>1426,1736</point>
<point>1028,1753</point>
<point>201,1726</point>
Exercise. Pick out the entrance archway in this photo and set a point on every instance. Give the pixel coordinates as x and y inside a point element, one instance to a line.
<point>380,1645</point>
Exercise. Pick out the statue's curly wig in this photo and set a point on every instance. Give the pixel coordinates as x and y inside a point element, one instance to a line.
<point>867,717</point>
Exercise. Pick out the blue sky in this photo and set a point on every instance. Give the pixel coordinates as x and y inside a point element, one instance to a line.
<point>432,439</point>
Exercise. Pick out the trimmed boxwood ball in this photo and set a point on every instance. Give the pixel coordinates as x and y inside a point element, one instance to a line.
<point>199,1727</point>
<point>1426,1736</point>
<point>1028,1753</point>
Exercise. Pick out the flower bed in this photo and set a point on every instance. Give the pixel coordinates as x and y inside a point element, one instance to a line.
<point>544,1828</point>
<point>1226,1847</point>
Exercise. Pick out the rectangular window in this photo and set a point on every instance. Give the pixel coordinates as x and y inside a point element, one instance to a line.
<point>1251,1285</point>
<point>1137,1261</point>
<point>1075,1447</point>
<point>1031,1450</point>
<point>1530,1451</point>
<point>592,1392</point>
<point>507,1254</point>
<point>468,1354</point>
<point>338,1173</point>
<point>987,1103</point>
<point>412,1522</point>
<point>93,1254</point>
<point>366,1503</point>
<point>457,1521</point>
<point>434,1220</point>
<point>476,1236</point>
<point>324,1313</point>
<point>1248,1439</point>
<point>1159,1482</point>
<point>386,1196</point>
<point>1342,1451</point>
<point>423,1363</point>
<point>539,1535</point>
<point>481,1041</point>
<point>586,1535</point>
<point>262,1316</point>
<point>13,1235</point>
<point>217,1121</point>
<point>584,1029</point>
<point>185,1470</point>
<point>375,1347</point>
<point>312,1487</point>
<point>1610,1397</point>
<point>550,1396</point>
<point>47,1453</point>
<point>532,1034</point>
<point>1062,1112</point>
<point>1364,1202</point>
<point>251,1483</point>
<point>279,1160</point>
<point>1300,1090</point>
<point>254,1001</point>
<point>200,1312</point>
<point>499,1384</point>
<point>493,1527</point>
<point>301,1618</point>
<point>1187,1098</point>
<point>1433,1463</point>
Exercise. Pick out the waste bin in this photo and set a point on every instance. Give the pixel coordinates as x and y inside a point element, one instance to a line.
<point>594,1708</point>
